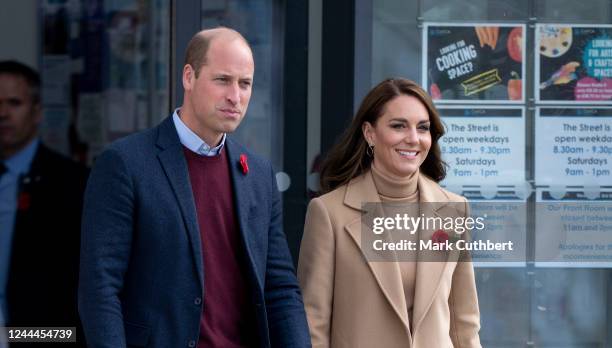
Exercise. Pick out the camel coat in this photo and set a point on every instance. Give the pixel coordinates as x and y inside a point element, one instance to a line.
<point>353,303</point>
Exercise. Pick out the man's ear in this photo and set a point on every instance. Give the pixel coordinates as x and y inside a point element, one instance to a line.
<point>188,77</point>
<point>367,130</point>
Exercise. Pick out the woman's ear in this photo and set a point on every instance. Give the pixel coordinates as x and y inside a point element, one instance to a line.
<point>367,130</point>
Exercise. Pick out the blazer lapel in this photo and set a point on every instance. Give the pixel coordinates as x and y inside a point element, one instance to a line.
<point>243,202</point>
<point>429,273</point>
<point>174,164</point>
<point>387,274</point>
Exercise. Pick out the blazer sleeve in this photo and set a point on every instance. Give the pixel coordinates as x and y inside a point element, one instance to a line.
<point>105,250</point>
<point>316,272</point>
<point>288,326</point>
<point>463,302</point>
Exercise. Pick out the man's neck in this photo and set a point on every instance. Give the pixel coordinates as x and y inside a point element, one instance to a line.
<point>8,152</point>
<point>211,138</point>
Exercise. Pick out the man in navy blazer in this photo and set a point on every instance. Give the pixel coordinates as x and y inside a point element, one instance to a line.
<point>182,244</point>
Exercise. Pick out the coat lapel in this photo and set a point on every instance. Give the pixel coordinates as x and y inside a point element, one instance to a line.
<point>243,201</point>
<point>173,161</point>
<point>387,274</point>
<point>429,273</point>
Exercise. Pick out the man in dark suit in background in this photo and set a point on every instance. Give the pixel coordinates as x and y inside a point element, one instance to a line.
<point>41,196</point>
<point>182,227</point>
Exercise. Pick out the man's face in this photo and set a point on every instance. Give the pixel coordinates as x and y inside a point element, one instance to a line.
<point>217,100</point>
<point>19,115</point>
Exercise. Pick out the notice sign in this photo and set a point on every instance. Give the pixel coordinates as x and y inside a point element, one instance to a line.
<point>479,63</point>
<point>573,63</point>
<point>484,145</point>
<point>505,220</point>
<point>573,146</point>
<point>573,229</point>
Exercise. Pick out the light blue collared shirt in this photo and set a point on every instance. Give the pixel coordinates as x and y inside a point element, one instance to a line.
<point>192,141</point>
<point>16,165</point>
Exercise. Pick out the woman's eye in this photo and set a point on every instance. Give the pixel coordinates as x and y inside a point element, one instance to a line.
<point>424,127</point>
<point>397,126</point>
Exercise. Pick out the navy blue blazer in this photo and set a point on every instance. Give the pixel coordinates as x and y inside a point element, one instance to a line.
<point>141,273</point>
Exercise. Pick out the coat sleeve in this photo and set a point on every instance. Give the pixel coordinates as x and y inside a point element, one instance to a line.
<point>105,250</point>
<point>316,272</point>
<point>463,303</point>
<point>285,309</point>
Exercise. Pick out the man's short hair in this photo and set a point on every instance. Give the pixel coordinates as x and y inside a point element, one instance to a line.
<point>197,49</point>
<point>30,75</point>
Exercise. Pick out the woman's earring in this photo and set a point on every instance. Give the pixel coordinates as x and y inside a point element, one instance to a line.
<point>370,150</point>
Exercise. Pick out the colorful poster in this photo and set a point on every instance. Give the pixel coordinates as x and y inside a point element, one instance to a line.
<point>573,146</point>
<point>484,146</point>
<point>573,63</point>
<point>475,63</point>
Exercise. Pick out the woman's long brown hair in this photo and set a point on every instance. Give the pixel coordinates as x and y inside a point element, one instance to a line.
<point>347,159</point>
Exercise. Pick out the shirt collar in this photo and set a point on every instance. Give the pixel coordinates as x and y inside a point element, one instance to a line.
<point>20,162</point>
<point>192,141</point>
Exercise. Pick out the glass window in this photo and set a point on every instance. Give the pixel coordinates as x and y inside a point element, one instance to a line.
<point>260,22</point>
<point>529,305</point>
<point>104,70</point>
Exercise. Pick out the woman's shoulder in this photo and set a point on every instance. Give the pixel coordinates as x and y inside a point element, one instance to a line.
<point>337,198</point>
<point>334,196</point>
<point>450,196</point>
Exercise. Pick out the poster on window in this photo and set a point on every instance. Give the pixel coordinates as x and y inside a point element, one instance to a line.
<point>573,146</point>
<point>573,228</point>
<point>573,63</point>
<point>483,146</point>
<point>474,63</point>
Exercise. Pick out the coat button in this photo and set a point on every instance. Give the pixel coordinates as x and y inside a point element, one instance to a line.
<point>192,344</point>
<point>197,301</point>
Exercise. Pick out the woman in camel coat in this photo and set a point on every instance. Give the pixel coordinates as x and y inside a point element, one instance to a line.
<point>390,153</point>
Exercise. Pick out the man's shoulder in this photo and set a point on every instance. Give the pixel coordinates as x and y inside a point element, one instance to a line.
<point>135,142</point>
<point>137,145</point>
<point>47,159</point>
<point>252,157</point>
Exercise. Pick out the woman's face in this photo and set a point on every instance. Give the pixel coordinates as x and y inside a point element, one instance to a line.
<point>400,136</point>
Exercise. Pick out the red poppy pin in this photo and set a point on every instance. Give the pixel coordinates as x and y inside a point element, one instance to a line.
<point>244,164</point>
<point>24,201</point>
<point>439,237</point>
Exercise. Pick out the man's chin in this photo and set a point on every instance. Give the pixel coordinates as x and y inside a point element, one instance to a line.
<point>229,127</point>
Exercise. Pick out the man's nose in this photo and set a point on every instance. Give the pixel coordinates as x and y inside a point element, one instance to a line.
<point>233,94</point>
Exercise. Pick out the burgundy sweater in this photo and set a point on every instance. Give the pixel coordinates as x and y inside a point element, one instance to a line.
<point>227,317</point>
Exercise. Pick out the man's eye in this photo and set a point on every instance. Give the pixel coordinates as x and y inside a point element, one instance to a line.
<point>245,84</point>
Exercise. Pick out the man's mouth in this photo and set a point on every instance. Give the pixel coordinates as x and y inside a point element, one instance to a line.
<point>231,112</point>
